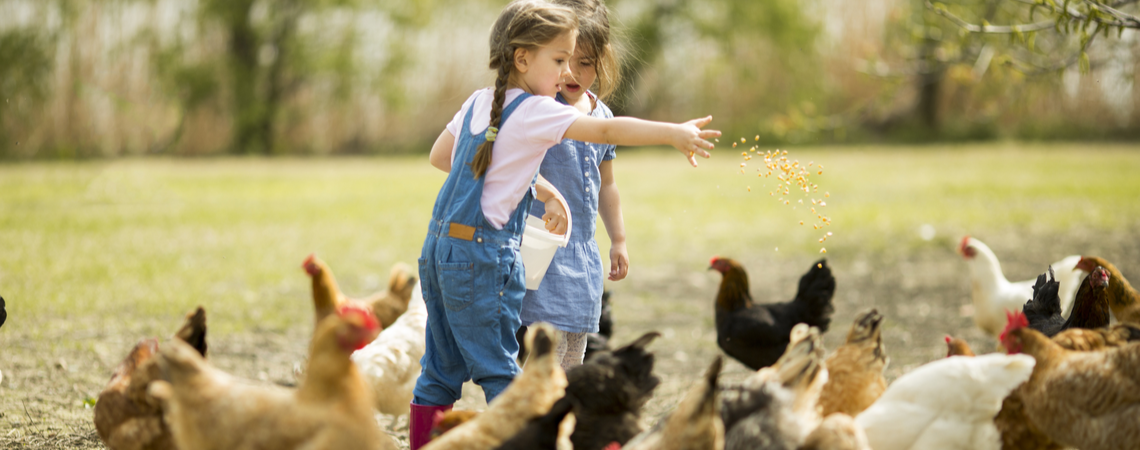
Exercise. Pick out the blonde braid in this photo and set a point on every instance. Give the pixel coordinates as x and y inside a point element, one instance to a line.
<point>483,156</point>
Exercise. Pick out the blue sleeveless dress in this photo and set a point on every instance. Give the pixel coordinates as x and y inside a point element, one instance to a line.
<point>570,296</point>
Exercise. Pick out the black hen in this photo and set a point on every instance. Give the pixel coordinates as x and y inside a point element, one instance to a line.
<point>3,312</point>
<point>756,335</point>
<point>611,388</point>
<point>600,341</point>
<point>541,433</point>
<point>1044,309</point>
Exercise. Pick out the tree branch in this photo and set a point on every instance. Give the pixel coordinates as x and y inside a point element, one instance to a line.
<point>989,29</point>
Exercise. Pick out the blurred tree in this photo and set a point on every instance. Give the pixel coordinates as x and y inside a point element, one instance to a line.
<point>266,59</point>
<point>25,63</point>
<point>767,45</point>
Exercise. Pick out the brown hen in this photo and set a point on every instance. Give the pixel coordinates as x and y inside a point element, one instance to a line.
<point>855,370</point>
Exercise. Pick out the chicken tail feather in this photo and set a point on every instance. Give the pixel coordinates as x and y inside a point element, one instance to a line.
<point>193,332</point>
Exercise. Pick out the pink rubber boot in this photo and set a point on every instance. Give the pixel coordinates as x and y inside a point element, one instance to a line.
<point>420,421</point>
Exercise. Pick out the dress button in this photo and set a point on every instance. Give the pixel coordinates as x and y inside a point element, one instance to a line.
<point>587,189</point>
<point>479,240</point>
<point>500,293</point>
<point>586,158</point>
<point>586,174</point>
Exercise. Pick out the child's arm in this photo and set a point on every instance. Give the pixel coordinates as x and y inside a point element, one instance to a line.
<point>555,216</point>
<point>609,207</point>
<point>688,138</point>
<point>441,151</point>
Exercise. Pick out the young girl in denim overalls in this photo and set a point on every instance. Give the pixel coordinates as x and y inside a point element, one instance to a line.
<point>570,296</point>
<point>470,266</point>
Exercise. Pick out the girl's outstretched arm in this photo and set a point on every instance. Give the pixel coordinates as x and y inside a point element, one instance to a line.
<point>441,151</point>
<point>688,138</point>
<point>609,207</point>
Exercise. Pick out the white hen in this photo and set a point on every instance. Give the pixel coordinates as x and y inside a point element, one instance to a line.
<point>993,294</point>
<point>946,404</point>
<point>391,363</point>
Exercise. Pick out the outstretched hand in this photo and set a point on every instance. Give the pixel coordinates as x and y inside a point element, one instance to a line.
<point>691,140</point>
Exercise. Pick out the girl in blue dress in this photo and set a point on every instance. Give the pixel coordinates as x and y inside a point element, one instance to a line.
<point>570,296</point>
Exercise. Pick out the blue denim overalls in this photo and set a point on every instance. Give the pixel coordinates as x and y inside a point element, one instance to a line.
<point>473,284</point>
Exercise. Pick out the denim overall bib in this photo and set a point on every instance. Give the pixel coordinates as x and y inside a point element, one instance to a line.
<point>473,284</point>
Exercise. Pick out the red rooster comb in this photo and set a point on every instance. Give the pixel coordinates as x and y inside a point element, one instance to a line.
<point>310,265</point>
<point>948,338</point>
<point>365,318</point>
<point>1014,320</point>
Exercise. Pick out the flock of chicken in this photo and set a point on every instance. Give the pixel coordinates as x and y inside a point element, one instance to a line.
<point>1068,378</point>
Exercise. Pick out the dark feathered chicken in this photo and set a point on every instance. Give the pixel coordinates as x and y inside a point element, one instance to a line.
<point>1090,307</point>
<point>611,388</point>
<point>756,335</point>
<point>541,433</point>
<point>3,312</point>
<point>1044,309</point>
<point>600,341</point>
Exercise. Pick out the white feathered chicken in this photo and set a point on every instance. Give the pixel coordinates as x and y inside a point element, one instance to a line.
<point>391,363</point>
<point>993,294</point>
<point>946,404</point>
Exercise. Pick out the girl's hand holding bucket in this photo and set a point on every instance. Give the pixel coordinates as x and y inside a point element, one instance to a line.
<point>555,217</point>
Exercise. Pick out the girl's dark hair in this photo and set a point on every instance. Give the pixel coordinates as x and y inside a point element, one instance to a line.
<point>523,24</point>
<point>594,40</point>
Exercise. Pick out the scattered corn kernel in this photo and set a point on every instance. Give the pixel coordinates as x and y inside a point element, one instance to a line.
<point>823,250</point>
<point>801,222</point>
<point>757,137</point>
<point>733,145</point>
<point>820,265</point>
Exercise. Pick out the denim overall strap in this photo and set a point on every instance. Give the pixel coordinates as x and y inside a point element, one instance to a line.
<point>459,201</point>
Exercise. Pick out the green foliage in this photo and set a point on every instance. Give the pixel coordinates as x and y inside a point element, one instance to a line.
<point>25,63</point>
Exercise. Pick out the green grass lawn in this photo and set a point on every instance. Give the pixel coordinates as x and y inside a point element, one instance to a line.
<point>130,245</point>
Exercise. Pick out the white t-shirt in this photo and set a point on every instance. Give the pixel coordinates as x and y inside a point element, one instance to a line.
<point>537,124</point>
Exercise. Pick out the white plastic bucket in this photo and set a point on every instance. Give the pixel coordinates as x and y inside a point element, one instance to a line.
<point>538,247</point>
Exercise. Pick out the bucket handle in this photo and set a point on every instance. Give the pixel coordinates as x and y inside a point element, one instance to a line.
<point>565,205</point>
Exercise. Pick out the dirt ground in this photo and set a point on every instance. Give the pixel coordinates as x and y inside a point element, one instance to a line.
<point>922,292</point>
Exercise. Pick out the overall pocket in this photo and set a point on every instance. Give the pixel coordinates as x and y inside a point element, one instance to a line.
<point>457,285</point>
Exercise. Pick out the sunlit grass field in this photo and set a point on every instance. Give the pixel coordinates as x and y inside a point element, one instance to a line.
<point>92,246</point>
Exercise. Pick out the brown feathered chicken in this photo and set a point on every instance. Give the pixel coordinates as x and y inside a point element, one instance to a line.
<point>1087,400</point>
<point>208,409</point>
<point>855,371</point>
<point>957,347</point>
<point>126,418</point>
<point>446,421</point>
<point>1017,432</point>
<point>694,425</point>
<point>529,396</point>
<point>386,305</point>
<point>1123,299</point>
<point>757,334</point>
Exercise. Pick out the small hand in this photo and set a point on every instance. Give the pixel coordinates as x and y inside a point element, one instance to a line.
<point>555,217</point>
<point>619,261</point>
<point>691,140</point>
